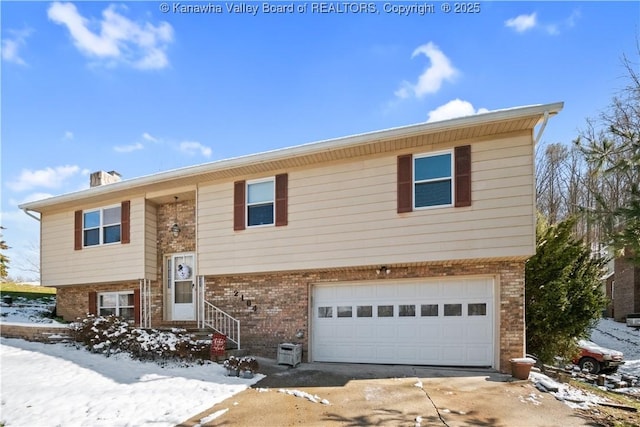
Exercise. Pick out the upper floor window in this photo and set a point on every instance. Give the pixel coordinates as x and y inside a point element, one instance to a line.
<point>439,179</point>
<point>433,180</point>
<point>260,202</point>
<point>101,226</point>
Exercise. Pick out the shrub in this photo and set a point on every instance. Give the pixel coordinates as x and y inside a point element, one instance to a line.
<point>111,335</point>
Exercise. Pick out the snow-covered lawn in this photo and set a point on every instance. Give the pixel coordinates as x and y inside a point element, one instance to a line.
<point>610,334</point>
<point>61,385</point>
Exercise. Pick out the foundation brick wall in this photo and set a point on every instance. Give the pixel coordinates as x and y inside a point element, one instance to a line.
<point>281,302</point>
<point>72,302</point>
<point>40,333</point>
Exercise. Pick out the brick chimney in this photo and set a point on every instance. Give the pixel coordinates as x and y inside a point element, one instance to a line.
<point>103,178</point>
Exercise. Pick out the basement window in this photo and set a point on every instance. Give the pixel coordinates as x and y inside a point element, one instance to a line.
<point>116,304</point>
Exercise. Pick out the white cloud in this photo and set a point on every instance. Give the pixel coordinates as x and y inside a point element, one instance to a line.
<point>68,136</point>
<point>453,109</point>
<point>522,23</point>
<point>128,148</point>
<point>573,18</point>
<point>148,137</point>
<point>140,45</point>
<point>432,78</point>
<point>11,46</point>
<point>46,178</point>
<point>191,148</point>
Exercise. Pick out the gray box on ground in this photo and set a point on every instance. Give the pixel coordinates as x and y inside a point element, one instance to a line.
<point>289,354</point>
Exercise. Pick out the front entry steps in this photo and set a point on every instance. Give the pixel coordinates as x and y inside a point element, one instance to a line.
<point>231,348</point>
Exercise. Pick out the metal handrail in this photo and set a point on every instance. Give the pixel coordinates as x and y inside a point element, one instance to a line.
<point>221,322</point>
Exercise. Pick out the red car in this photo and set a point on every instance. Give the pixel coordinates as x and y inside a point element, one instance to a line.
<point>594,358</point>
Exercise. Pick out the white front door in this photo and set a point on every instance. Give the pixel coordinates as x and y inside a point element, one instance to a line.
<point>182,287</point>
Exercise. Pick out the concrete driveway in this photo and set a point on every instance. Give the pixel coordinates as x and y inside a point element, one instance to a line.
<point>384,395</point>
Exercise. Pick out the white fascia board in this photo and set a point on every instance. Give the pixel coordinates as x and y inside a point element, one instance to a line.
<point>304,149</point>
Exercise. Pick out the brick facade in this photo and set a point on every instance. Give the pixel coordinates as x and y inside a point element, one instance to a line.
<point>186,219</point>
<point>626,291</point>
<point>273,308</point>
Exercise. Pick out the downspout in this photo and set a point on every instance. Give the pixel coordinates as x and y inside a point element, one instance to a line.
<point>25,210</point>
<point>544,125</point>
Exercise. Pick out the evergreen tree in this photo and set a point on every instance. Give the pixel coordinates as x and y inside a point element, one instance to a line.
<point>4,260</point>
<point>563,292</point>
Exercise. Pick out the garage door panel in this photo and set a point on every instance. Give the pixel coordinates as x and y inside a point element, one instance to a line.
<point>386,331</point>
<point>454,354</point>
<point>344,331</point>
<point>437,321</point>
<point>430,353</point>
<point>479,352</point>
<point>429,336</point>
<point>434,291</point>
<point>479,289</point>
<point>478,333</point>
<point>455,288</point>
<point>406,333</point>
<point>365,332</point>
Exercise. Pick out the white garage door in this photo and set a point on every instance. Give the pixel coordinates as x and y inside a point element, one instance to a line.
<point>431,322</point>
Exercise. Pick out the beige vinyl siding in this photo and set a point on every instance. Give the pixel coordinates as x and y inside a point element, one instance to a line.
<point>344,214</point>
<point>150,243</point>
<point>62,265</point>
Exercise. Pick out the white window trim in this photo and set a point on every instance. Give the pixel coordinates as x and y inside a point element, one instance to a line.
<point>101,226</point>
<point>118,306</point>
<point>413,179</point>
<point>247,204</point>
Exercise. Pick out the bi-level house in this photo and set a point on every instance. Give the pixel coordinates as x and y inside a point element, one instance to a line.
<point>402,246</point>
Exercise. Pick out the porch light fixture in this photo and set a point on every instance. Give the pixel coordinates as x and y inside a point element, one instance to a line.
<point>175,228</point>
<point>383,270</point>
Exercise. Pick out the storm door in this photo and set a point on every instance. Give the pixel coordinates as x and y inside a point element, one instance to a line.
<point>181,284</point>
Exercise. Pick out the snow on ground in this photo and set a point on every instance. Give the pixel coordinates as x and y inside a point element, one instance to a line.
<point>618,336</point>
<point>61,385</point>
<point>24,310</point>
<point>58,384</point>
<point>610,334</point>
<point>571,396</point>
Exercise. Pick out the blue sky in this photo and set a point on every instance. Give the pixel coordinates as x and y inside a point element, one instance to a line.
<point>126,86</point>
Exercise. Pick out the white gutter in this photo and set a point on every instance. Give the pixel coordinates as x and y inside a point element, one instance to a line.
<point>544,125</point>
<point>304,150</point>
<point>26,210</point>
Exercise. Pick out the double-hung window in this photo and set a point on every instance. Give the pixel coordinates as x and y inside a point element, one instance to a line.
<point>101,226</point>
<point>260,202</point>
<point>116,304</point>
<point>433,180</point>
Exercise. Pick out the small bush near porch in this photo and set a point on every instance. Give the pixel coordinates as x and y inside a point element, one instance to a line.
<point>111,335</point>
